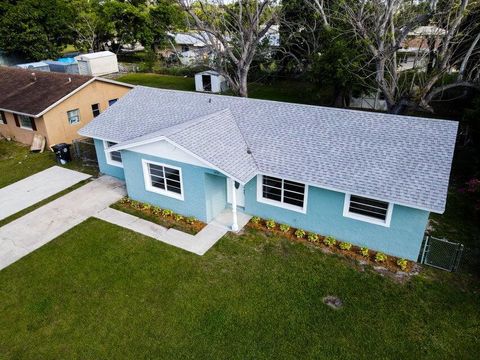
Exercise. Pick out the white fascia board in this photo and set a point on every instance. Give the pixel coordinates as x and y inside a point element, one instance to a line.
<point>160,138</point>
<point>19,113</point>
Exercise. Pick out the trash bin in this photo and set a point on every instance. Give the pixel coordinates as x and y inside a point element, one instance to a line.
<point>62,152</point>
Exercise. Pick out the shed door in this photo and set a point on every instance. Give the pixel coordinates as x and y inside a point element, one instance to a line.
<point>207,82</point>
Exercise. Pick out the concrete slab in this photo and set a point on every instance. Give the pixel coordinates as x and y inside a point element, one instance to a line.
<point>44,224</point>
<point>35,188</point>
<point>198,244</point>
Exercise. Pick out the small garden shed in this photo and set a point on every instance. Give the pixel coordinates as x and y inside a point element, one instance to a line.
<point>98,63</point>
<point>210,81</point>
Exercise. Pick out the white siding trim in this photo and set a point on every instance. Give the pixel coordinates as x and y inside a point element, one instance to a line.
<point>148,181</point>
<point>279,204</point>
<point>108,157</point>
<point>348,214</point>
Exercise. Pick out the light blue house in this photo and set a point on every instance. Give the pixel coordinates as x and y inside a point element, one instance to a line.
<point>367,178</point>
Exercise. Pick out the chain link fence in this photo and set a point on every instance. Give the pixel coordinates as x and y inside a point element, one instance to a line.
<point>441,253</point>
<point>84,150</point>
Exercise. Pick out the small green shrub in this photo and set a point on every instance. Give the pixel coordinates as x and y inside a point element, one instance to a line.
<point>312,237</point>
<point>345,246</point>
<point>255,220</point>
<point>284,228</point>
<point>330,241</point>
<point>167,212</point>
<point>156,210</point>
<point>402,263</point>
<point>146,207</point>
<point>178,217</point>
<point>380,257</point>
<point>136,204</point>
<point>270,224</point>
<point>364,252</point>
<point>299,233</point>
<point>190,220</point>
<point>125,200</point>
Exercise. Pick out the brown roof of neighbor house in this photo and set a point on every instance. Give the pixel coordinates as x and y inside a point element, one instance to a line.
<point>23,92</point>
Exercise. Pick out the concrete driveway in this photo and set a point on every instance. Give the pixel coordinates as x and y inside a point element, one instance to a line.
<point>35,229</point>
<point>35,188</point>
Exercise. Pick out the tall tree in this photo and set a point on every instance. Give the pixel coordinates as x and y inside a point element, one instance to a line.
<point>384,25</point>
<point>233,32</point>
<point>36,29</point>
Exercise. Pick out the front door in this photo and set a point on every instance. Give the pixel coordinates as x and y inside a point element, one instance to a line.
<point>239,191</point>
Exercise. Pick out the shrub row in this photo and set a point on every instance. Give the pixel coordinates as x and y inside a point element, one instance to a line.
<point>328,241</point>
<point>155,210</point>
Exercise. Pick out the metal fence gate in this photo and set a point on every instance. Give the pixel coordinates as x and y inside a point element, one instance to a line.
<point>84,150</point>
<point>441,253</point>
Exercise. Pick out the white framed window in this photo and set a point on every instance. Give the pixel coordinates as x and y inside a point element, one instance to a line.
<point>366,209</point>
<point>113,157</point>
<point>283,193</point>
<point>25,122</point>
<point>73,116</point>
<point>112,101</point>
<point>163,179</point>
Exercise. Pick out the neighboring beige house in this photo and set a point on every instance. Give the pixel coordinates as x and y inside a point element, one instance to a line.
<point>55,105</point>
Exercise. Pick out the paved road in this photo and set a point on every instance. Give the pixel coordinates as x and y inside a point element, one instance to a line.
<point>35,188</point>
<point>35,229</point>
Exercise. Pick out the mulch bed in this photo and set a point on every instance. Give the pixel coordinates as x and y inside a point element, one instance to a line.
<point>354,253</point>
<point>154,214</point>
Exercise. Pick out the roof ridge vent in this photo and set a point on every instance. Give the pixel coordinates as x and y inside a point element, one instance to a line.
<point>69,80</point>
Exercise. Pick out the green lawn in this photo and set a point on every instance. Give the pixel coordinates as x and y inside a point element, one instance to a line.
<point>102,292</point>
<point>283,90</point>
<point>17,162</point>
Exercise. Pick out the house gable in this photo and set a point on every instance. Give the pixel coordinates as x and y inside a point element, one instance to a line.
<point>167,150</point>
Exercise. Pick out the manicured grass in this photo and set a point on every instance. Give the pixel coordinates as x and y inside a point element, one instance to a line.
<point>284,90</point>
<point>17,162</point>
<point>103,292</point>
<point>160,81</point>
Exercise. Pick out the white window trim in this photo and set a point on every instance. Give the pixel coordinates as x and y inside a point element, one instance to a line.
<point>148,181</point>
<point>25,127</point>
<point>348,214</point>
<point>78,117</point>
<point>108,157</point>
<point>280,204</point>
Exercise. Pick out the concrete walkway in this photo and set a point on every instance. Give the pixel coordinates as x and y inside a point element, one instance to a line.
<point>35,188</point>
<point>198,244</point>
<point>35,229</point>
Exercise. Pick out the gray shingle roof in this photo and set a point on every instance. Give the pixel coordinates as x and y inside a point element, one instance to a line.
<point>401,159</point>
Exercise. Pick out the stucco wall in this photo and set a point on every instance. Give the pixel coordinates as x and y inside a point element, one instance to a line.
<point>205,196</point>
<point>105,168</point>
<point>54,124</point>
<point>58,127</point>
<point>325,216</point>
<point>194,186</point>
<point>25,136</point>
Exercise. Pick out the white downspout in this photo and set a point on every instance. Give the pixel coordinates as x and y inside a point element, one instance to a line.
<point>234,207</point>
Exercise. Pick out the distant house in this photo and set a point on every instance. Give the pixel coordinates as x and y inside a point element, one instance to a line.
<point>54,105</point>
<point>189,48</point>
<point>419,43</point>
<point>367,178</point>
